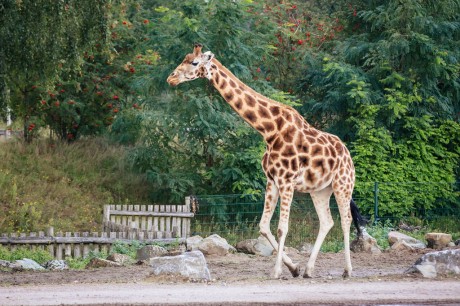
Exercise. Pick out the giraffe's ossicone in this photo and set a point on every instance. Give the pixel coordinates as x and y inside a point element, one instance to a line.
<point>298,157</point>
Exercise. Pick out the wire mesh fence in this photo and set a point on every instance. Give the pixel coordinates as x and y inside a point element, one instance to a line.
<point>236,217</point>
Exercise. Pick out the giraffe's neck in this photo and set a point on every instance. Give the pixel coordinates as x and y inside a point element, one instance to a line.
<point>263,114</point>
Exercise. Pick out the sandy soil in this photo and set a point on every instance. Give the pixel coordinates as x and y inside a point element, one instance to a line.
<point>241,279</point>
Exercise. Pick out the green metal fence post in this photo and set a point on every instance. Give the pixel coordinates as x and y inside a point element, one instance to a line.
<point>376,202</point>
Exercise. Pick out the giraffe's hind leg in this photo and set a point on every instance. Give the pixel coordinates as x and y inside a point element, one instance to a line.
<point>321,203</point>
<point>343,202</point>
<point>271,199</point>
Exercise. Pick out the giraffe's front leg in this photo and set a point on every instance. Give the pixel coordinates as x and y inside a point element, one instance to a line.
<point>271,199</point>
<point>286,192</point>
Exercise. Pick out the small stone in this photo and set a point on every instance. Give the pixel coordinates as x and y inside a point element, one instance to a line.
<point>365,244</point>
<point>56,265</point>
<point>150,251</point>
<point>193,242</point>
<point>291,251</point>
<point>306,248</point>
<point>246,246</point>
<point>122,259</point>
<point>400,241</point>
<point>10,265</point>
<point>101,263</point>
<point>260,246</point>
<point>215,245</point>
<point>438,240</point>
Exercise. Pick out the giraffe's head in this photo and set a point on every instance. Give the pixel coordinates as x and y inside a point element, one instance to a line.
<point>195,65</point>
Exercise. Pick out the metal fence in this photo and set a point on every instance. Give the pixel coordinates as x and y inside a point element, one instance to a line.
<point>236,217</point>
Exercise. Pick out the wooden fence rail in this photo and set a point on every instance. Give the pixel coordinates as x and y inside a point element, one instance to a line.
<point>76,245</point>
<point>146,223</point>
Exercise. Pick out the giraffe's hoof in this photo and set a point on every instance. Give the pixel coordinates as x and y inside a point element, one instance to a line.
<point>295,271</point>
<point>346,274</point>
<point>306,275</point>
<point>277,274</point>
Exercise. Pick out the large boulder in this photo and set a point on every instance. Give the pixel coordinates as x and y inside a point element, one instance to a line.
<point>215,245</point>
<point>150,251</point>
<point>260,246</point>
<point>191,265</point>
<point>365,244</point>
<point>438,240</point>
<point>441,262</point>
<point>400,241</point>
<point>29,264</point>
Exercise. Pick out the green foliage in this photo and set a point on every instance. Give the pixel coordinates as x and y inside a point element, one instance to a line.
<point>191,141</point>
<point>380,232</point>
<point>38,255</point>
<point>40,42</point>
<point>127,249</point>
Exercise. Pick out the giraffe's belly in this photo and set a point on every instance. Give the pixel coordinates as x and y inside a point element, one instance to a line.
<point>308,180</point>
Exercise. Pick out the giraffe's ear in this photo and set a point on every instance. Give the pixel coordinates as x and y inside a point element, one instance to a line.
<point>197,49</point>
<point>207,56</point>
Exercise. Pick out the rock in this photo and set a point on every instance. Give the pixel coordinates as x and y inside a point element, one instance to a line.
<point>451,244</point>
<point>291,251</point>
<point>259,246</point>
<point>56,265</point>
<point>306,248</point>
<point>246,246</point>
<point>400,241</point>
<point>193,243</point>
<point>365,244</point>
<point>215,245</point>
<point>191,264</point>
<point>101,263</point>
<point>263,247</point>
<point>441,262</point>
<point>457,242</point>
<point>122,259</point>
<point>438,240</point>
<point>150,251</point>
<point>181,248</point>
<point>29,264</point>
<point>10,265</point>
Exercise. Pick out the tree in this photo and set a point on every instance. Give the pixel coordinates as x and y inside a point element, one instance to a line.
<point>42,41</point>
<point>191,140</point>
<point>391,90</point>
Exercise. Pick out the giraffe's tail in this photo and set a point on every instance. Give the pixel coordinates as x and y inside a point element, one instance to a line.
<point>358,219</point>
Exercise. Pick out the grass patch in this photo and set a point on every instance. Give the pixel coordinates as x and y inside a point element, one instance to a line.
<point>64,185</point>
<point>38,255</point>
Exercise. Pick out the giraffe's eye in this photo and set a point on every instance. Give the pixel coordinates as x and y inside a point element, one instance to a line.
<point>194,63</point>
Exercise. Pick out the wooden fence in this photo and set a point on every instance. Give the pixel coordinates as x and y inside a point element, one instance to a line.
<point>162,224</point>
<point>76,245</point>
<point>172,220</point>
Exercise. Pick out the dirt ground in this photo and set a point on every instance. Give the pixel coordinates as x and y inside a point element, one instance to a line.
<point>242,279</point>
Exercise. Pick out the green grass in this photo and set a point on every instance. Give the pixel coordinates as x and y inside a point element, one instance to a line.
<point>38,255</point>
<point>64,185</point>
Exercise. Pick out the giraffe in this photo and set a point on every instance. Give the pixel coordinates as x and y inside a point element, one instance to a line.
<point>298,157</point>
